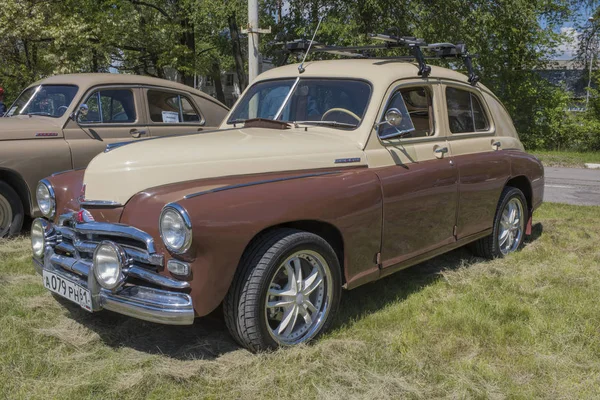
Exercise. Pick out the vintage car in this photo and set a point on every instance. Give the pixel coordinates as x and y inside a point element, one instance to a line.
<point>321,178</point>
<point>62,122</point>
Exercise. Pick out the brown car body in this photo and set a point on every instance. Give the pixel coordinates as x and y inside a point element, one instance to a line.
<point>32,147</point>
<point>382,205</point>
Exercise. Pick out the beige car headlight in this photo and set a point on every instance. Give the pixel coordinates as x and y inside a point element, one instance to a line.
<point>46,199</point>
<point>109,261</point>
<point>175,228</point>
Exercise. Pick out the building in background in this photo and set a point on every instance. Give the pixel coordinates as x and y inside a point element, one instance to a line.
<point>572,75</point>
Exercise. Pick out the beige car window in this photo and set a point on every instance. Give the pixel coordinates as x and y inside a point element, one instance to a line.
<point>169,107</point>
<point>465,112</point>
<point>110,106</point>
<point>416,108</point>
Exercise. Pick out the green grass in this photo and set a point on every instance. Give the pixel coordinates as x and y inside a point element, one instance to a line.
<point>571,159</point>
<point>527,326</point>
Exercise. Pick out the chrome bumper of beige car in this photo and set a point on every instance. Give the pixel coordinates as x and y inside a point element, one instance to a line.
<point>65,256</point>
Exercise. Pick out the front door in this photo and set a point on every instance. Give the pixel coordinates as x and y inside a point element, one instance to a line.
<point>420,181</point>
<point>113,115</point>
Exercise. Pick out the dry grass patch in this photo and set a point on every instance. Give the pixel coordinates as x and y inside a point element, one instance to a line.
<point>454,327</point>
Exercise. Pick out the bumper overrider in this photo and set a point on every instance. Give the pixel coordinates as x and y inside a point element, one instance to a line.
<point>68,252</point>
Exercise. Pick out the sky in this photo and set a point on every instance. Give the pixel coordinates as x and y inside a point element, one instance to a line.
<point>568,50</point>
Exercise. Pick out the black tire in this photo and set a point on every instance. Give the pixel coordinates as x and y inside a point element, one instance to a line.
<point>489,246</point>
<point>11,211</point>
<point>243,307</point>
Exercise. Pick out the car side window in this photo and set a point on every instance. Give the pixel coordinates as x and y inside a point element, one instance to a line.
<point>170,107</point>
<point>416,108</point>
<point>465,112</point>
<point>110,106</point>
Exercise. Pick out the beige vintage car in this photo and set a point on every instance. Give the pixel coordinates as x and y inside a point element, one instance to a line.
<point>62,122</point>
<point>322,178</point>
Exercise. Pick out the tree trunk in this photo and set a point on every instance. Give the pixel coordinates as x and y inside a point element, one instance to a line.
<point>188,40</point>
<point>237,53</point>
<point>216,76</point>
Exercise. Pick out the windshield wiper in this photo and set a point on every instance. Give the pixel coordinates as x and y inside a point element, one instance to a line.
<point>335,124</point>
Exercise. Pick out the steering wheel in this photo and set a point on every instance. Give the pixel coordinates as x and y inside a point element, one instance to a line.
<point>62,109</point>
<point>343,110</point>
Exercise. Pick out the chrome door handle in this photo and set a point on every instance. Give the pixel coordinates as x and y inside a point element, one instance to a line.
<point>496,145</point>
<point>136,134</point>
<point>440,151</point>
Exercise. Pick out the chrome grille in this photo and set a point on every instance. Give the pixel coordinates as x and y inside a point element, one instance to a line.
<point>76,243</point>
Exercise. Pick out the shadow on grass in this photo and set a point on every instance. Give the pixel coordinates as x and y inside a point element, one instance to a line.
<point>208,338</point>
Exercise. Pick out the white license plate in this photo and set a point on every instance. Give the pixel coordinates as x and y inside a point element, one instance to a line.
<point>67,289</point>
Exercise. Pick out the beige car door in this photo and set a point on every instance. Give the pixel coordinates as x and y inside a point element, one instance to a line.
<point>172,112</point>
<point>418,176</point>
<point>114,114</point>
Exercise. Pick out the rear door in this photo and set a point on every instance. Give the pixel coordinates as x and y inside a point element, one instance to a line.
<point>477,151</point>
<point>172,112</point>
<point>115,114</point>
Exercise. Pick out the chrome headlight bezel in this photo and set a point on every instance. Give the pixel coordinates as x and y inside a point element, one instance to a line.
<point>48,210</point>
<point>120,259</point>
<point>174,209</point>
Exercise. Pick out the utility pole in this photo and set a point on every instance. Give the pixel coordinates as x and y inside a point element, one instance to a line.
<point>253,39</point>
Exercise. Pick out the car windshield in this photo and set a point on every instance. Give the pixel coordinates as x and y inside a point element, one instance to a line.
<point>339,103</point>
<point>46,100</point>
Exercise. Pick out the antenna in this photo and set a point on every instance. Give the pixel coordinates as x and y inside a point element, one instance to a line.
<point>301,66</point>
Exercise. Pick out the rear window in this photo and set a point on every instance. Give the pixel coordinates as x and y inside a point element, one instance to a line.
<point>171,108</point>
<point>465,112</point>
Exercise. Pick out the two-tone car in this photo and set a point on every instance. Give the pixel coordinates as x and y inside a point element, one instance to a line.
<point>62,122</point>
<point>321,179</point>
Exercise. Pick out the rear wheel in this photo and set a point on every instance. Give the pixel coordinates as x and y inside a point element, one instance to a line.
<point>286,291</point>
<point>509,226</point>
<point>11,211</point>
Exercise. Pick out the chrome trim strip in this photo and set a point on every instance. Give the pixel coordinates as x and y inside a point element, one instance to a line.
<point>347,160</point>
<point>100,203</point>
<point>64,172</point>
<point>241,185</point>
<point>160,280</point>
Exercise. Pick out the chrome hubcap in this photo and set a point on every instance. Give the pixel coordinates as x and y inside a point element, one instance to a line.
<point>299,296</point>
<point>511,226</point>
<point>5,215</point>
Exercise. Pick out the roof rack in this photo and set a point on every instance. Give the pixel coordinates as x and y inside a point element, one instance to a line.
<point>415,45</point>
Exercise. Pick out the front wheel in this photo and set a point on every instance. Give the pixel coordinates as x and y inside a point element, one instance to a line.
<point>11,211</point>
<point>285,292</point>
<point>509,226</point>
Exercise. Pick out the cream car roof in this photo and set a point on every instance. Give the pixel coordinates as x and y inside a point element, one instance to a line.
<point>381,73</point>
<point>96,79</point>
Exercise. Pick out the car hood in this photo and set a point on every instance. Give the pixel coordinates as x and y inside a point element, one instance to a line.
<point>122,172</point>
<point>25,127</point>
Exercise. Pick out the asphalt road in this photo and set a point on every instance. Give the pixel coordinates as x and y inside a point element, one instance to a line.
<point>577,186</point>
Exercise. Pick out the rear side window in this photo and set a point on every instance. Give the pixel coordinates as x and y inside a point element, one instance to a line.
<point>110,106</point>
<point>171,108</point>
<point>465,112</point>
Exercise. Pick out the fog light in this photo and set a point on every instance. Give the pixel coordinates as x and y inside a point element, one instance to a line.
<point>109,261</point>
<point>38,237</point>
<point>178,267</point>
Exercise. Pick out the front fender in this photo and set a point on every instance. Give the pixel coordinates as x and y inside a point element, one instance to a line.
<point>226,220</point>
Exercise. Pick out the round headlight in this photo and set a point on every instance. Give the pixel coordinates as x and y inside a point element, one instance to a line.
<point>38,240</point>
<point>109,260</point>
<point>45,198</point>
<point>175,228</point>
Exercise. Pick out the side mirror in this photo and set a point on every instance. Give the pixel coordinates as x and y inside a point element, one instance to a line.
<point>82,112</point>
<point>393,117</point>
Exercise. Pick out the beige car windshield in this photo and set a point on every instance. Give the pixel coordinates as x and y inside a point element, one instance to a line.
<point>46,100</point>
<point>340,101</point>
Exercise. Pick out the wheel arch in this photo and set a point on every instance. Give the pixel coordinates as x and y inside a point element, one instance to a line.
<point>522,183</point>
<point>16,181</point>
<point>330,233</point>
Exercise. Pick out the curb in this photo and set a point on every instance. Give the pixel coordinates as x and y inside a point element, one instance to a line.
<point>592,166</point>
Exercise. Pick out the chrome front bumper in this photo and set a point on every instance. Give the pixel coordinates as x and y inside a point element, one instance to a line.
<point>135,300</point>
